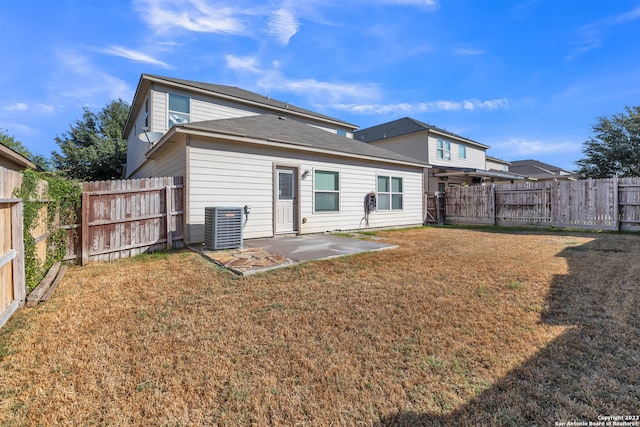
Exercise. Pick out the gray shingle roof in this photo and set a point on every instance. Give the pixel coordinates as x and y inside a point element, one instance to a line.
<point>246,95</point>
<point>287,131</point>
<point>401,127</point>
<point>535,166</point>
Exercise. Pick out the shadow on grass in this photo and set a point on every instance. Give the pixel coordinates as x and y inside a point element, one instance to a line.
<point>590,371</point>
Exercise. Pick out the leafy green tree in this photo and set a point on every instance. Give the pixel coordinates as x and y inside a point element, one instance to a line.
<point>615,147</point>
<point>94,149</point>
<point>17,146</point>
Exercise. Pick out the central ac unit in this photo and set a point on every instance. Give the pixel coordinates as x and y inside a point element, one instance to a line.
<point>222,227</point>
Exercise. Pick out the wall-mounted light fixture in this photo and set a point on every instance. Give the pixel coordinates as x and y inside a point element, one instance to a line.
<point>305,174</point>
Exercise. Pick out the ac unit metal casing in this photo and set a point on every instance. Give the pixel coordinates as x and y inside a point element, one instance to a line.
<point>222,227</point>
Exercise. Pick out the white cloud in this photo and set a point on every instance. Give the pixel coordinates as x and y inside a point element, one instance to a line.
<point>82,80</point>
<point>428,4</point>
<point>18,106</point>
<point>192,15</point>
<point>133,55</point>
<point>592,35</point>
<point>517,147</point>
<point>423,107</point>
<point>247,63</point>
<point>327,91</point>
<point>283,25</point>
<point>468,51</point>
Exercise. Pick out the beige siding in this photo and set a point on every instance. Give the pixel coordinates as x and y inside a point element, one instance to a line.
<point>475,155</point>
<point>136,148</point>
<point>413,146</point>
<point>220,175</point>
<point>171,161</point>
<point>496,166</point>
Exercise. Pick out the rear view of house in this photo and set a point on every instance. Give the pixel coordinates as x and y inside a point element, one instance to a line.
<point>455,160</point>
<point>292,170</point>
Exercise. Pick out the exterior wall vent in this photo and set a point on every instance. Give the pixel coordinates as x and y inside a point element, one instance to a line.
<point>222,227</point>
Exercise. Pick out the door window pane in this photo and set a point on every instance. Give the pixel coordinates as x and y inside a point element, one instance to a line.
<point>285,186</point>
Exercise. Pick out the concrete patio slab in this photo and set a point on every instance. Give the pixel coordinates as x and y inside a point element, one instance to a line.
<point>260,255</point>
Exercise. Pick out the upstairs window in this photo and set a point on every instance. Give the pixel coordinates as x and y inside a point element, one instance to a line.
<point>444,149</point>
<point>341,132</point>
<point>179,109</point>
<point>462,151</point>
<point>326,191</point>
<point>146,113</point>
<point>389,193</point>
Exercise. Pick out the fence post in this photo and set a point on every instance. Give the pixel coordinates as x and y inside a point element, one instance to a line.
<point>17,242</point>
<point>167,197</point>
<point>85,228</point>
<point>616,206</point>
<point>495,203</point>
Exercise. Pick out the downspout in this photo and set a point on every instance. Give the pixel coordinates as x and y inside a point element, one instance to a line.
<point>187,191</point>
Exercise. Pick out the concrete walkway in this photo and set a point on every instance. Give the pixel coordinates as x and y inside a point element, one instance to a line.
<point>259,255</point>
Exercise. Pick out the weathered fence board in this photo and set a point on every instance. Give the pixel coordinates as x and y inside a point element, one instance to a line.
<point>124,218</point>
<point>524,204</point>
<point>629,203</point>
<point>587,204</point>
<point>600,204</point>
<point>470,205</point>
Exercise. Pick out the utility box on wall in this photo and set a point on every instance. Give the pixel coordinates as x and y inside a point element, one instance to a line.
<point>223,227</point>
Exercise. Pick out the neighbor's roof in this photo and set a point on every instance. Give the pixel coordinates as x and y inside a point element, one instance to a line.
<point>15,160</point>
<point>230,93</point>
<point>289,132</point>
<point>535,168</point>
<point>402,127</point>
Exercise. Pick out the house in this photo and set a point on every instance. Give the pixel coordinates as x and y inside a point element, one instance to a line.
<point>295,170</point>
<point>495,164</point>
<point>455,160</point>
<point>539,171</point>
<point>11,159</point>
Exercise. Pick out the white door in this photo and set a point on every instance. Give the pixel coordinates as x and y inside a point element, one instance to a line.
<point>286,201</point>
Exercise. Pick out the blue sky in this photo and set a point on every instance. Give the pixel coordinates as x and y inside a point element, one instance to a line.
<point>528,78</point>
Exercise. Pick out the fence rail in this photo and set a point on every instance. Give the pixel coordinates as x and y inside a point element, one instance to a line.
<point>599,204</point>
<point>127,217</point>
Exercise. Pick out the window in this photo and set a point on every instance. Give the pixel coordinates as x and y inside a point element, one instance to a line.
<point>389,193</point>
<point>179,109</point>
<point>444,149</point>
<point>146,113</point>
<point>462,151</point>
<point>326,191</point>
<point>341,132</point>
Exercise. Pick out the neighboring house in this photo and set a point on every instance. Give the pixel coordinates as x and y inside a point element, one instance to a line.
<point>299,171</point>
<point>495,164</point>
<point>534,169</point>
<point>455,160</point>
<point>13,160</point>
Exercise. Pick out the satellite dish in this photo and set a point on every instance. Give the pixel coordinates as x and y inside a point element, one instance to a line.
<point>150,137</point>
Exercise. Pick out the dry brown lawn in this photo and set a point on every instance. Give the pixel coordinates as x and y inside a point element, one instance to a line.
<point>455,327</point>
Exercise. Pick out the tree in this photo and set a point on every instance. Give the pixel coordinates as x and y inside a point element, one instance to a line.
<point>17,146</point>
<point>615,147</point>
<point>93,149</point>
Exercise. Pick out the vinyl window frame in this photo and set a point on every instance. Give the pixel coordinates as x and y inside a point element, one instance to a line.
<point>177,116</point>
<point>443,149</point>
<point>320,192</point>
<point>391,194</point>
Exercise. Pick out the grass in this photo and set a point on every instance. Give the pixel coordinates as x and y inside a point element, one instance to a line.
<point>455,327</point>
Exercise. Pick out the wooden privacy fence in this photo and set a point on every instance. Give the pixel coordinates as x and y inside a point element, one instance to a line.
<point>12,280</point>
<point>600,204</point>
<point>124,218</point>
